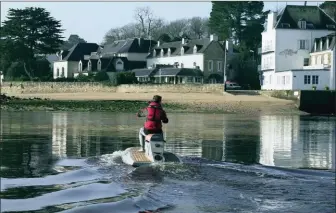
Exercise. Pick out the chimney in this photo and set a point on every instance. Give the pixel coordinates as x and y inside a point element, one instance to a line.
<point>183,41</point>
<point>229,46</point>
<point>213,37</point>
<point>315,46</point>
<point>61,55</point>
<point>271,20</point>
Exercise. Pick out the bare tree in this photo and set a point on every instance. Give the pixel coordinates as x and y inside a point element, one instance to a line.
<point>146,22</point>
<point>198,27</point>
<point>124,32</point>
<point>176,28</point>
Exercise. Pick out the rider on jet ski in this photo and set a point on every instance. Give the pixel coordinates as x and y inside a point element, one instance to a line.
<point>155,115</point>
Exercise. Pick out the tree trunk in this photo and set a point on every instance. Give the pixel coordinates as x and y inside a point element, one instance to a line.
<point>27,72</point>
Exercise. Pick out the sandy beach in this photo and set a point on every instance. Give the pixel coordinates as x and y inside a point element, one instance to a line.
<point>222,102</point>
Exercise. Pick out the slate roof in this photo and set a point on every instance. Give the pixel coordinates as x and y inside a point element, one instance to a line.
<point>128,46</point>
<point>178,72</point>
<point>332,41</point>
<point>315,17</point>
<point>175,47</point>
<point>106,64</point>
<point>77,52</point>
<point>144,72</point>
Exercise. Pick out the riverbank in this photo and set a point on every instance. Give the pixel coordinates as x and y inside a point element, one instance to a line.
<point>131,102</point>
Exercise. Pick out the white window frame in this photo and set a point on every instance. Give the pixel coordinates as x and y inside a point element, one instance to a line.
<point>195,49</point>
<point>302,24</point>
<point>315,79</point>
<point>80,66</point>
<point>99,65</point>
<point>306,79</point>
<point>302,44</point>
<point>210,65</point>
<point>63,72</point>
<point>219,66</point>
<point>89,66</point>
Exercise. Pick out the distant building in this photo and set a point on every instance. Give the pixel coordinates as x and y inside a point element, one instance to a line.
<point>1,77</point>
<point>206,55</point>
<point>298,50</point>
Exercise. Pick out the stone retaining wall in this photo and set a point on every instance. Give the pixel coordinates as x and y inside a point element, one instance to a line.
<point>74,87</point>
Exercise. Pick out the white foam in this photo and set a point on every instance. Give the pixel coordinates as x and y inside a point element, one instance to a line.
<point>112,159</point>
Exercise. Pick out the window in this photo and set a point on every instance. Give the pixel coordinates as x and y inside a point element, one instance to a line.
<point>307,79</point>
<point>99,65</point>
<point>302,45</point>
<point>182,50</point>
<point>80,67</point>
<point>302,24</point>
<point>306,62</point>
<point>169,51</point>
<point>325,59</point>
<point>189,79</point>
<point>195,49</point>
<point>161,53</point>
<point>315,79</point>
<point>62,74</point>
<point>57,72</point>
<point>287,79</point>
<point>283,80</point>
<point>89,66</point>
<point>219,66</point>
<point>198,80</point>
<point>210,65</point>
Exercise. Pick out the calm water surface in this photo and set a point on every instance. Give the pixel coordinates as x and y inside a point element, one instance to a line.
<point>70,162</point>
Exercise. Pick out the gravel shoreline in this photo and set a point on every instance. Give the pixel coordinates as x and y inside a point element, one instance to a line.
<point>130,102</point>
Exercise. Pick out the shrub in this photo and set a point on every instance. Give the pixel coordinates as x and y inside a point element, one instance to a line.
<point>314,87</point>
<point>326,88</point>
<point>126,78</point>
<point>101,76</point>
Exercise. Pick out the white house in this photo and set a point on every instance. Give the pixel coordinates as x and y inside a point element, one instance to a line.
<point>67,64</point>
<point>205,54</point>
<point>287,43</point>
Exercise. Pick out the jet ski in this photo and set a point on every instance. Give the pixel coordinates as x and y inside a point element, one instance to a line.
<point>154,151</point>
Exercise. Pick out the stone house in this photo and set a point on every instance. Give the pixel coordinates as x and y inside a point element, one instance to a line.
<point>207,55</point>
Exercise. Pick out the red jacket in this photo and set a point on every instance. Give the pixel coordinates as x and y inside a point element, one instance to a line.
<point>155,115</point>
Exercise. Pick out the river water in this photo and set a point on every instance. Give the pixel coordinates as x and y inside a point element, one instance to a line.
<point>70,162</point>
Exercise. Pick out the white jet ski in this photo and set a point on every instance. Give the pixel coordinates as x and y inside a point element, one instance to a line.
<point>154,151</point>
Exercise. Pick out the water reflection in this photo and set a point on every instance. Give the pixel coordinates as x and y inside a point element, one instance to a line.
<point>31,141</point>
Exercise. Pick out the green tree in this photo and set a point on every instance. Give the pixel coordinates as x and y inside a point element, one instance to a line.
<point>27,33</point>
<point>330,8</point>
<point>72,40</point>
<point>230,19</point>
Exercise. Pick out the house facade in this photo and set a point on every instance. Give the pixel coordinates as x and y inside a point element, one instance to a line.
<point>119,56</point>
<point>67,64</point>
<point>287,44</point>
<point>207,55</point>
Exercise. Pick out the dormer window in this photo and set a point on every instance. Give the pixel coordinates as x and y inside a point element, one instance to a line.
<point>331,26</point>
<point>169,51</point>
<point>161,53</point>
<point>89,66</point>
<point>285,25</point>
<point>182,51</point>
<point>80,66</point>
<point>302,24</point>
<point>99,65</point>
<point>321,44</point>
<point>154,53</point>
<point>195,49</point>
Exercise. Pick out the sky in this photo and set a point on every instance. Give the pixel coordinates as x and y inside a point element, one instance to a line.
<point>92,20</point>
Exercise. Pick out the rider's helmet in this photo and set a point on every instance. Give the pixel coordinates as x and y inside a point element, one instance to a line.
<point>157,98</point>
